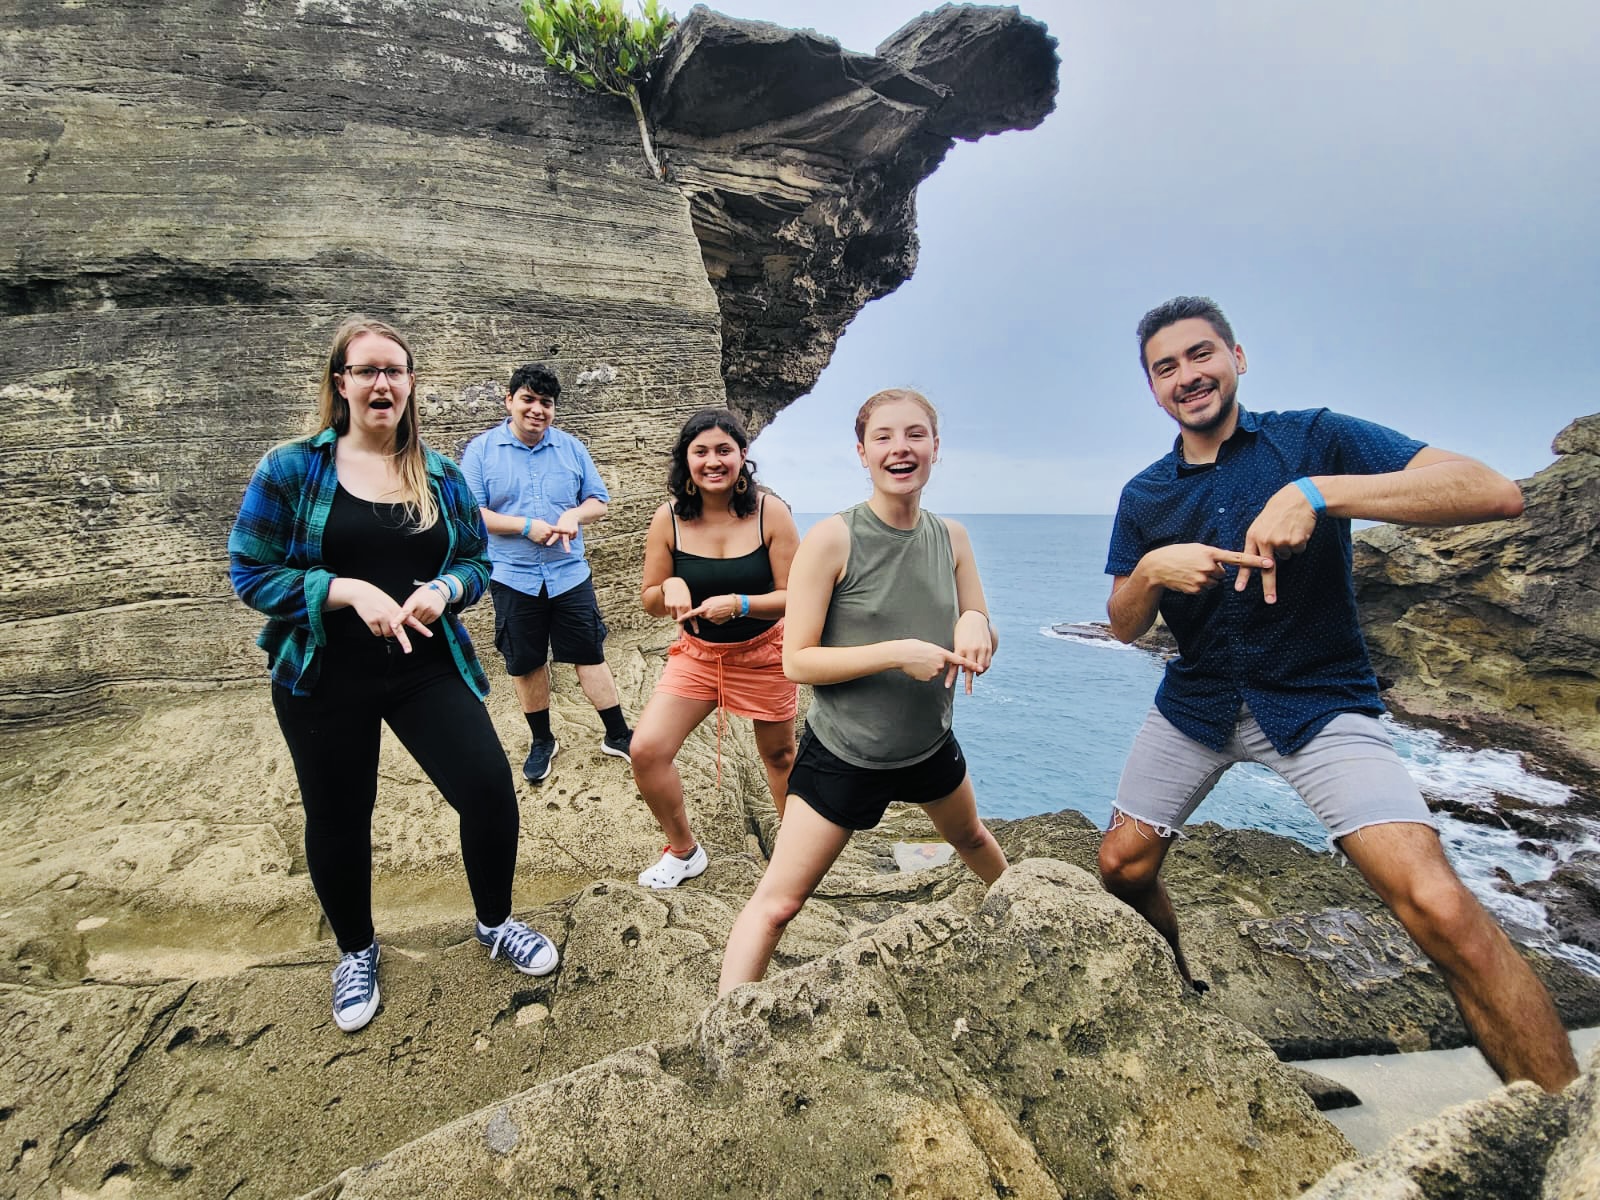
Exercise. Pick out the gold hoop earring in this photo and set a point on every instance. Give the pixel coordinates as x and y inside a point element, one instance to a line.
<point>742,486</point>
<point>689,488</point>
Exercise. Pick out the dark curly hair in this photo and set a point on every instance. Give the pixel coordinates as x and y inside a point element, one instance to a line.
<point>687,504</point>
<point>537,376</point>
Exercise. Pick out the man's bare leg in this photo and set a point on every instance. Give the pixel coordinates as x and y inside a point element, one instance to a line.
<point>1131,854</point>
<point>533,689</point>
<point>1506,1008</point>
<point>597,684</point>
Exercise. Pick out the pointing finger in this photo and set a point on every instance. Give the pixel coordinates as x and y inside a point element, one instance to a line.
<point>1269,584</point>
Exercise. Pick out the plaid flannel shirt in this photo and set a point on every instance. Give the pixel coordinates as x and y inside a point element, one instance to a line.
<point>275,556</point>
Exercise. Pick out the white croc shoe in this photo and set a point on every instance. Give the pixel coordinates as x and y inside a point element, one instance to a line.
<point>672,870</point>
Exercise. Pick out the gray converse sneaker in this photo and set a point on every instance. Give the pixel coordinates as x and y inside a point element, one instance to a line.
<point>525,949</point>
<point>355,989</point>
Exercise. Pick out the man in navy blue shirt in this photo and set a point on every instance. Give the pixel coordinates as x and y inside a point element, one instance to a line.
<point>1240,538</point>
<point>537,487</point>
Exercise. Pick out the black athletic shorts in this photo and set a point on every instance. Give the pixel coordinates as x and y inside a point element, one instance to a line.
<point>857,797</point>
<point>529,629</point>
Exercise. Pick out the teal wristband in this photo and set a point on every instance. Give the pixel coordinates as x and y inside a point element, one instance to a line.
<point>1312,495</point>
<point>744,606</point>
<point>527,526</point>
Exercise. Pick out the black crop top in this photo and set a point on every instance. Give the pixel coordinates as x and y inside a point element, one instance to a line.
<point>747,575</point>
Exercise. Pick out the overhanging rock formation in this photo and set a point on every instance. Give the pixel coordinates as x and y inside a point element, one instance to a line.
<point>192,195</point>
<point>801,162</point>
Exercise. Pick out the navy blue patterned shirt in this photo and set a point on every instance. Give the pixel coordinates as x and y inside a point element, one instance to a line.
<point>1300,662</point>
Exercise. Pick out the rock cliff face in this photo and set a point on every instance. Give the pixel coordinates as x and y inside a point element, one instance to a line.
<point>183,222</point>
<point>1498,625</point>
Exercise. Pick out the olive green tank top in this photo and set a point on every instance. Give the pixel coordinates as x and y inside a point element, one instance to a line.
<point>897,583</point>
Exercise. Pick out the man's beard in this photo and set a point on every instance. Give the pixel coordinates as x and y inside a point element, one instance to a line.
<point>1216,421</point>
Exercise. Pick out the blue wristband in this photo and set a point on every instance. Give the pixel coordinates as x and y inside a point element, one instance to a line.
<point>434,584</point>
<point>527,526</point>
<point>1312,495</point>
<point>744,606</point>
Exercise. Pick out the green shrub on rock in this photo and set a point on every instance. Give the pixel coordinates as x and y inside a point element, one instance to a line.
<point>603,48</point>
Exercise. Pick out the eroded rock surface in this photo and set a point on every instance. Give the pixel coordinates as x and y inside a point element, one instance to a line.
<point>1034,1045</point>
<point>1517,1144</point>
<point>1294,944</point>
<point>160,948</point>
<point>1498,625</point>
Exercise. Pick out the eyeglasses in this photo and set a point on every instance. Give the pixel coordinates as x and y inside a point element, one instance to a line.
<point>368,374</point>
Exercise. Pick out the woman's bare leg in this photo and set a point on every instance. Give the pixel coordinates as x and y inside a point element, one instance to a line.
<point>807,845</point>
<point>775,741</point>
<point>657,737</point>
<point>956,818</point>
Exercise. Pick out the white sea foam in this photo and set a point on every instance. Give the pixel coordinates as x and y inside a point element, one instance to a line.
<point>1084,639</point>
<point>1444,768</point>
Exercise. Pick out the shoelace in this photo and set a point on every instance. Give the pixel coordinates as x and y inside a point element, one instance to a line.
<point>521,943</point>
<point>352,979</point>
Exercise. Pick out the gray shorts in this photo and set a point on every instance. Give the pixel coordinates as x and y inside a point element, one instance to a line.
<point>1349,774</point>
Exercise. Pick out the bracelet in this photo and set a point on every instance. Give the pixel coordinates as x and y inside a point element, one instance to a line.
<point>445,592</point>
<point>527,526</point>
<point>454,585</point>
<point>1312,494</point>
<point>744,606</point>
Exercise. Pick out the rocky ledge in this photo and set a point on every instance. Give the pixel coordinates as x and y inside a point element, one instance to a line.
<point>165,982</point>
<point>1497,627</point>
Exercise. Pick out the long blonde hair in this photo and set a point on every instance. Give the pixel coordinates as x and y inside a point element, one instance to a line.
<point>333,412</point>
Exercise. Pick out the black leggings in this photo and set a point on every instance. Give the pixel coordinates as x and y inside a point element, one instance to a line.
<point>333,737</point>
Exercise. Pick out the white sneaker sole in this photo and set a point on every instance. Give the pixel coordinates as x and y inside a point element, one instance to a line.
<point>352,1019</point>
<point>622,754</point>
<point>548,767</point>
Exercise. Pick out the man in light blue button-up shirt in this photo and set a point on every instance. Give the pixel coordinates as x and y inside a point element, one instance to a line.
<point>537,488</point>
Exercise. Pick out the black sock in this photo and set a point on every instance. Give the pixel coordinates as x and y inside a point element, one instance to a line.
<point>616,723</point>
<point>539,722</point>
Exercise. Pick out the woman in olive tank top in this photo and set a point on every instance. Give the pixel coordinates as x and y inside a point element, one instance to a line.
<point>885,611</point>
<point>716,561</point>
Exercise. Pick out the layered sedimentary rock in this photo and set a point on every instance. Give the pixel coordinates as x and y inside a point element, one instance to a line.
<point>1498,625</point>
<point>183,222</point>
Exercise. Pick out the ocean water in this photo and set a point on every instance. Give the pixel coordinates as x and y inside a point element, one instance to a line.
<point>1049,725</point>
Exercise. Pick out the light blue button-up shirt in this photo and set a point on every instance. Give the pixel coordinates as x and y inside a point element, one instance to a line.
<point>542,482</point>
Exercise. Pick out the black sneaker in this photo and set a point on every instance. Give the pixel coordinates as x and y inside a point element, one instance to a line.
<point>619,747</point>
<point>536,768</point>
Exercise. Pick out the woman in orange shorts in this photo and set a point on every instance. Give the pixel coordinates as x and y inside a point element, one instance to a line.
<point>716,560</point>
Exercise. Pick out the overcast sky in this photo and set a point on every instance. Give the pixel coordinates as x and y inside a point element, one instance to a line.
<point>1395,204</point>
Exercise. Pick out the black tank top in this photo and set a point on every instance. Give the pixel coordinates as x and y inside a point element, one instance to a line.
<point>374,541</point>
<point>747,575</point>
